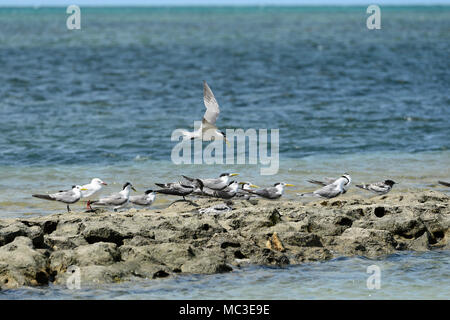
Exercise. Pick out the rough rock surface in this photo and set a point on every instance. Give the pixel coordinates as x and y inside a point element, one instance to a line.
<point>111,247</point>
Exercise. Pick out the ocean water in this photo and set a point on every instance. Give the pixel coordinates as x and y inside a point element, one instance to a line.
<point>103,101</point>
<point>405,275</point>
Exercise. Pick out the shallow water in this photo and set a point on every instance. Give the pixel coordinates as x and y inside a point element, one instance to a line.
<point>413,172</point>
<point>404,275</point>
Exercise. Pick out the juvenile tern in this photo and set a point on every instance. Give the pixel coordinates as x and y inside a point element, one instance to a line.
<point>331,190</point>
<point>91,190</point>
<point>447,184</point>
<point>144,200</point>
<point>382,187</point>
<point>118,200</point>
<point>327,181</point>
<point>215,183</point>
<point>274,192</point>
<point>208,130</point>
<point>68,197</point>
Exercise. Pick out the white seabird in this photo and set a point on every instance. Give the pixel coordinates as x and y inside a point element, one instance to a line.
<point>208,130</point>
<point>91,190</point>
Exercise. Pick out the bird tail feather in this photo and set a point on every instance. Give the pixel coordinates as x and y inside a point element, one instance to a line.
<point>187,178</point>
<point>316,182</point>
<point>43,196</point>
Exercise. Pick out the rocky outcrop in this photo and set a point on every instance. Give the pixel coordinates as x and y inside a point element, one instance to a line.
<point>112,247</point>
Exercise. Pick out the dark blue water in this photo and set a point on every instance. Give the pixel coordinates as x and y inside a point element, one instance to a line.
<point>118,87</point>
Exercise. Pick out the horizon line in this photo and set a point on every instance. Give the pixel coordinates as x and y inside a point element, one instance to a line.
<point>224,5</point>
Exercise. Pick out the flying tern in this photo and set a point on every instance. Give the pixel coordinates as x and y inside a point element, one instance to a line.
<point>208,130</point>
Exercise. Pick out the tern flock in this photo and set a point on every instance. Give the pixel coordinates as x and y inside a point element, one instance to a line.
<point>220,187</point>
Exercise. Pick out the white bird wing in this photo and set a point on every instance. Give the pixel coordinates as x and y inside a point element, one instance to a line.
<point>212,108</point>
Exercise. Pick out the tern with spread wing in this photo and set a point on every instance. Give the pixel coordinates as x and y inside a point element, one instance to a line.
<point>208,130</point>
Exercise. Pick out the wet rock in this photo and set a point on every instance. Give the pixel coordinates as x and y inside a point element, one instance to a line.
<point>22,265</point>
<point>365,242</point>
<point>114,247</point>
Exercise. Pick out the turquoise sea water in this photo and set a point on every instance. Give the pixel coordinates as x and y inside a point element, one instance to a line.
<point>103,101</point>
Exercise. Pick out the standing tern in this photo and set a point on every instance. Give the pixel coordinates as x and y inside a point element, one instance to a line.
<point>331,190</point>
<point>215,183</point>
<point>274,192</point>
<point>382,187</point>
<point>208,130</point>
<point>327,181</point>
<point>91,190</point>
<point>118,200</point>
<point>68,197</point>
<point>144,200</point>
